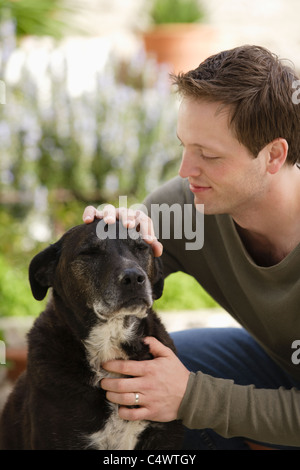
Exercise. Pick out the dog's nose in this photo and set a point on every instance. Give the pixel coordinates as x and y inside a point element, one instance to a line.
<point>132,277</point>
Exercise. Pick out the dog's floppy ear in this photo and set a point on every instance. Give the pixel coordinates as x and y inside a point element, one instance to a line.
<point>41,270</point>
<point>158,282</point>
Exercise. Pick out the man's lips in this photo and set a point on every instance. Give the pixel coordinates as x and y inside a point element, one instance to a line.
<point>198,189</point>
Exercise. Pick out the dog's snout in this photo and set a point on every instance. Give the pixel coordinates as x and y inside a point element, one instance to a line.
<point>132,277</point>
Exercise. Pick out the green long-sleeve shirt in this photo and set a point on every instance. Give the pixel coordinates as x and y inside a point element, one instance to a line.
<point>264,300</point>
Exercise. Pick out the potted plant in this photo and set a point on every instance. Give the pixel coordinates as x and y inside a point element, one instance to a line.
<point>177,35</point>
<point>32,17</point>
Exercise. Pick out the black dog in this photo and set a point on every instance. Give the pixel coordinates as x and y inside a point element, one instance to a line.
<point>100,309</point>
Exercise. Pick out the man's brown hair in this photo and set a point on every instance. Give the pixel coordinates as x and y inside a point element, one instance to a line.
<point>258,89</point>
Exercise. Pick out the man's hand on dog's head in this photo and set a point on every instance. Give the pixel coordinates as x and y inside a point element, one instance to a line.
<point>130,219</point>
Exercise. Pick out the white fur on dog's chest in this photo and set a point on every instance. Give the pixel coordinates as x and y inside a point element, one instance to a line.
<point>117,433</point>
<point>104,344</point>
<point>105,340</point>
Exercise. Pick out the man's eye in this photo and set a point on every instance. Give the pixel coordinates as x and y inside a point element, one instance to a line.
<point>206,157</point>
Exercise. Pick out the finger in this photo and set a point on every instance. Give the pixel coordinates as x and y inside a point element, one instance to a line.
<point>157,349</point>
<point>148,234</point>
<point>89,214</point>
<point>109,214</point>
<point>128,367</point>
<point>127,216</point>
<point>145,224</point>
<point>134,414</point>
<point>157,248</point>
<point>125,399</point>
<point>121,386</point>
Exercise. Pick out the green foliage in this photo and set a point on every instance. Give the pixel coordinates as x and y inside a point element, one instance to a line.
<point>34,17</point>
<point>176,11</point>
<point>182,292</point>
<point>15,294</point>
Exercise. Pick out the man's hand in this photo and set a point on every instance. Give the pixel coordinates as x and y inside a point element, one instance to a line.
<point>160,384</point>
<point>130,219</point>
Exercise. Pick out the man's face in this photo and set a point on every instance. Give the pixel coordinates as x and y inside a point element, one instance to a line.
<point>223,174</point>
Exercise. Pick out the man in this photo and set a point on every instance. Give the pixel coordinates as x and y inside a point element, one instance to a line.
<point>239,128</point>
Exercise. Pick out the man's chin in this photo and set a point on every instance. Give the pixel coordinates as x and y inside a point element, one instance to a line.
<point>207,209</point>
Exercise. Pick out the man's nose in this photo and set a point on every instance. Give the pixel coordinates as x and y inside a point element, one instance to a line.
<point>188,167</point>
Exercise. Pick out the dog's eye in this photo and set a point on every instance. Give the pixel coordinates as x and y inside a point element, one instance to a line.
<point>141,245</point>
<point>89,252</point>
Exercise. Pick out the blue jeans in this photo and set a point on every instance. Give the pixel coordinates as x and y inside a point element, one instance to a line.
<point>227,353</point>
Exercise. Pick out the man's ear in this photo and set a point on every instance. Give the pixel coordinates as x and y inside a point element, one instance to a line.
<point>41,270</point>
<point>158,282</point>
<point>277,154</point>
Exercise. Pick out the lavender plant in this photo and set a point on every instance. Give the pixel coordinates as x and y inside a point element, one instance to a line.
<point>117,138</point>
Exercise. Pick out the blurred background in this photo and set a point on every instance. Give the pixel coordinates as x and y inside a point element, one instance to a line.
<point>87,114</point>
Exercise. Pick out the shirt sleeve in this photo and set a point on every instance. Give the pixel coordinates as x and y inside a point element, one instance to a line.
<point>231,410</point>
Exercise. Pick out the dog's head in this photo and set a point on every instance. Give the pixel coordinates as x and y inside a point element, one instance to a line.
<point>101,268</point>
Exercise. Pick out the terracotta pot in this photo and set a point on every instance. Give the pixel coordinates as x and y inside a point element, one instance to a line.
<point>182,46</point>
<point>16,360</point>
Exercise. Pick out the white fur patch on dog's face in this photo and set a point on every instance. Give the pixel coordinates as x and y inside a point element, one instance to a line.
<point>103,310</point>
